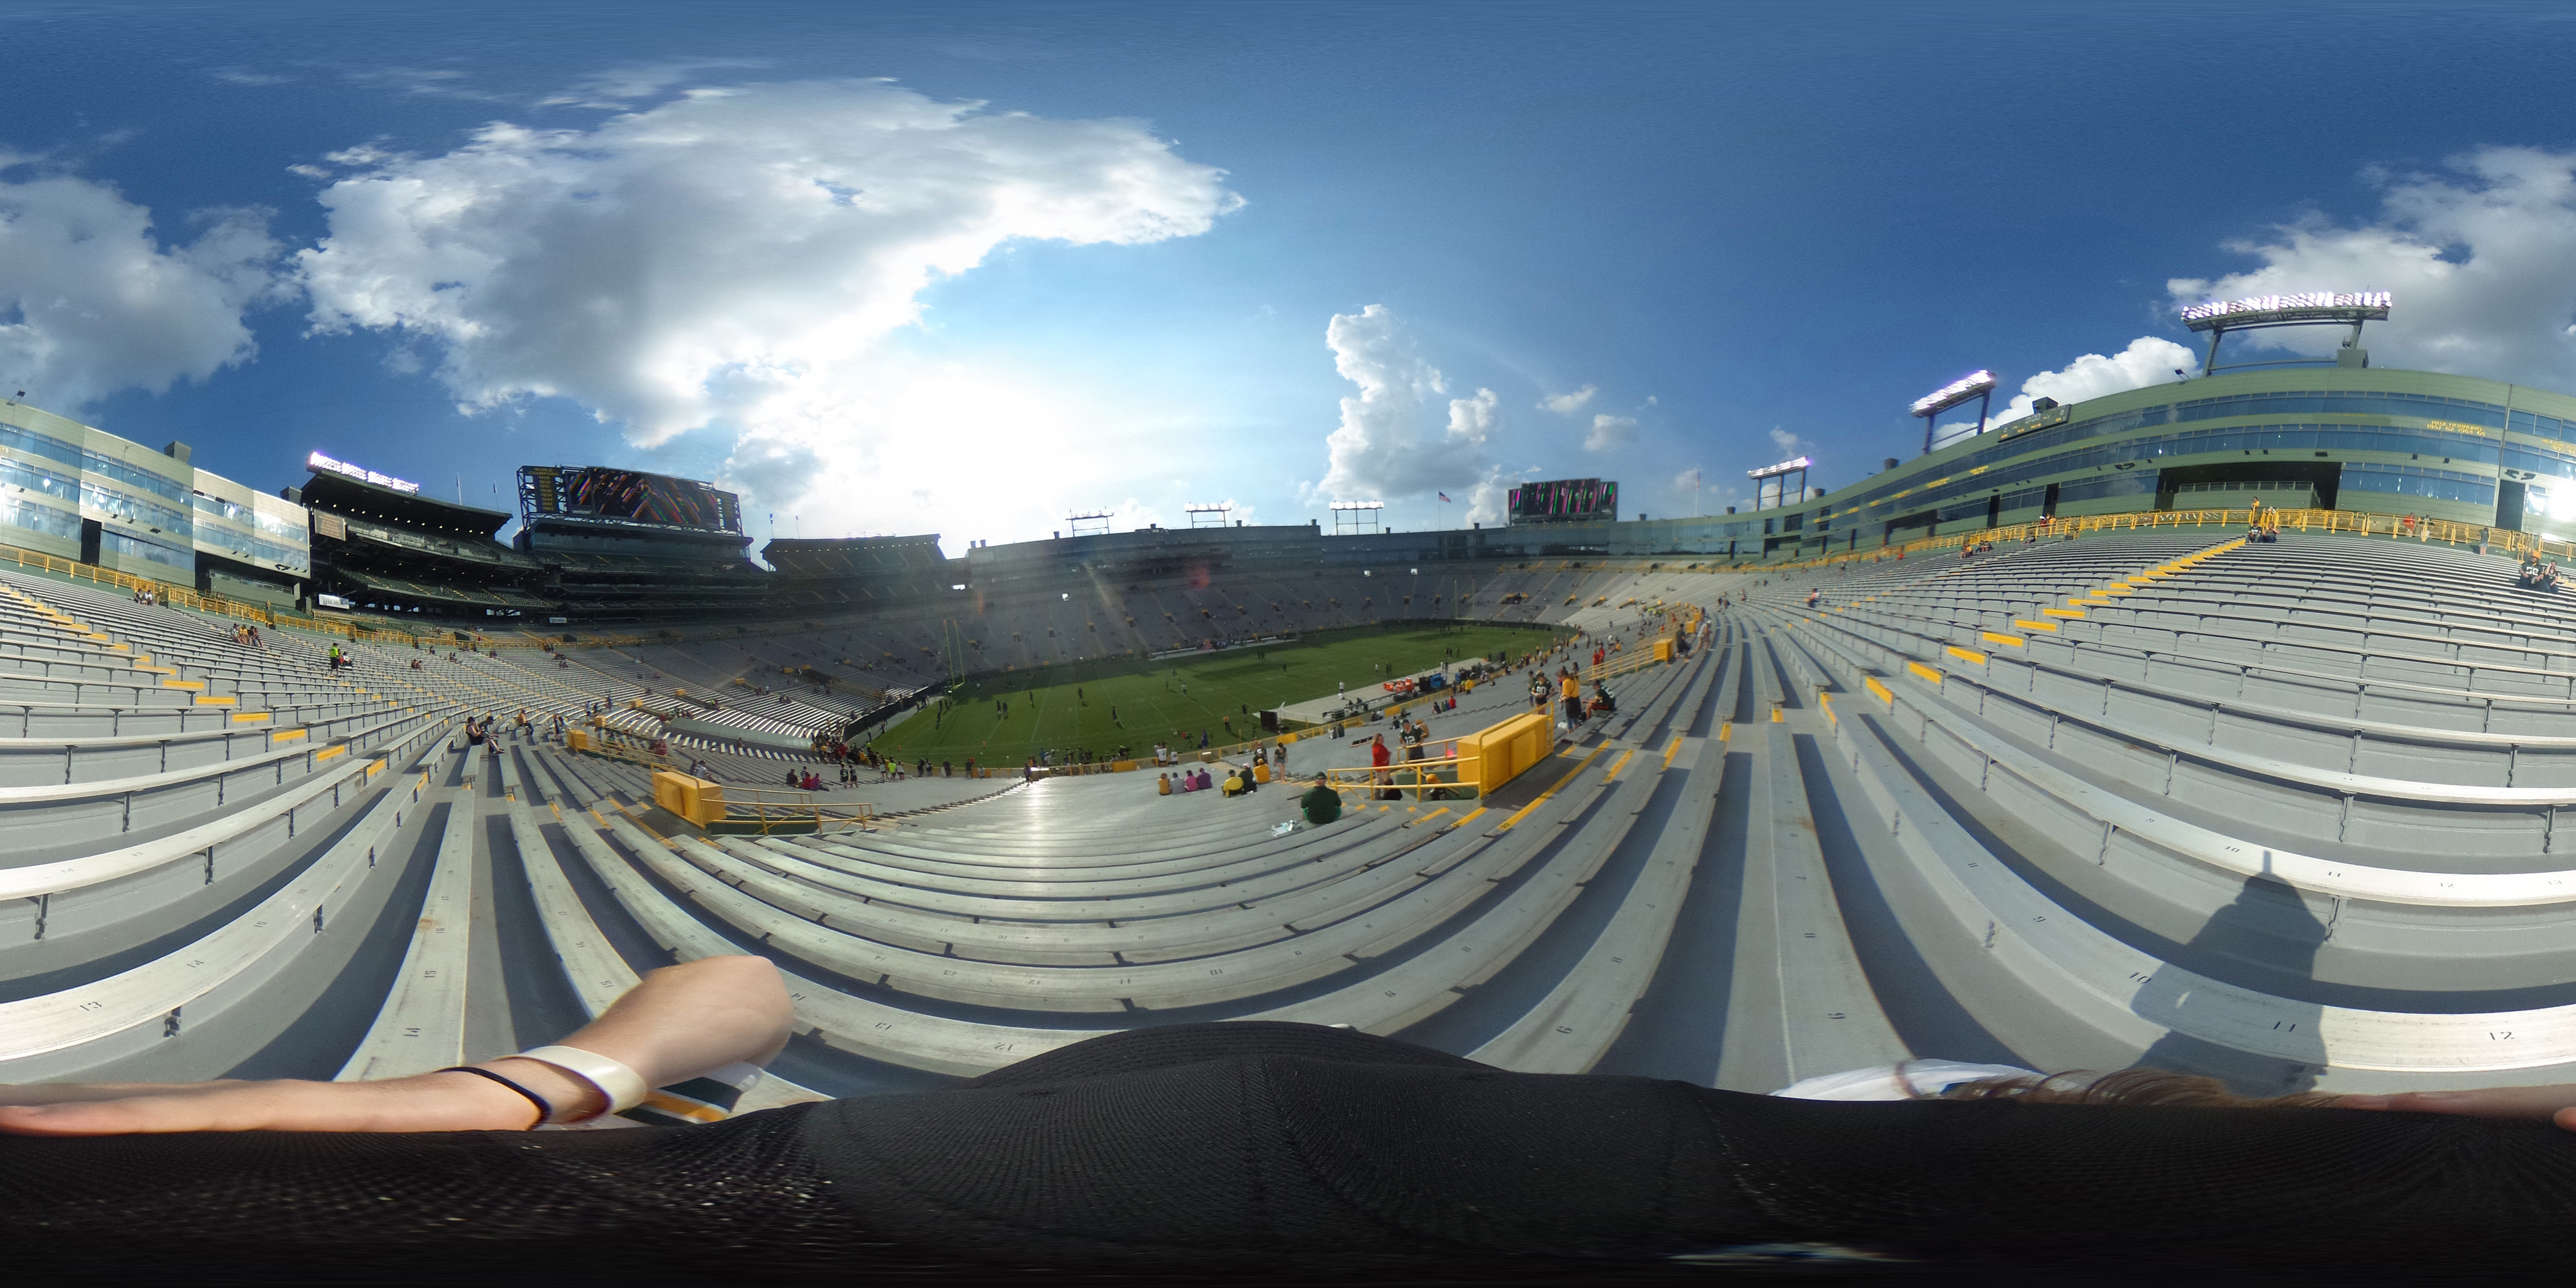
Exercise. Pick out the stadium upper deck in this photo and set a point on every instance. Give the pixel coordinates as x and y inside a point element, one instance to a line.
<point>2449,447</point>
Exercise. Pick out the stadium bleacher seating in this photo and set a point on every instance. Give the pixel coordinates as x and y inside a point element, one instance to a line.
<point>2288,814</point>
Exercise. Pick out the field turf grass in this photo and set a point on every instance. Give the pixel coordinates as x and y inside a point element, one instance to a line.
<point>1069,707</point>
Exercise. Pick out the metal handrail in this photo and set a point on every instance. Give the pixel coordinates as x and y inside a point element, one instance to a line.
<point>1419,777</point>
<point>2357,523</point>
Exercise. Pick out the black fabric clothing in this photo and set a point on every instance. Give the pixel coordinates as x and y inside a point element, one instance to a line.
<point>1321,804</point>
<point>1257,1149</point>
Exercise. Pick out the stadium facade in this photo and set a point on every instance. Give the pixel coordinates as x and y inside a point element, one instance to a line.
<point>2383,441</point>
<point>2344,437</point>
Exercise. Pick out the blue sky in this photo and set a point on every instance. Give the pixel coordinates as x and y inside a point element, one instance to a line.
<point>1270,254</point>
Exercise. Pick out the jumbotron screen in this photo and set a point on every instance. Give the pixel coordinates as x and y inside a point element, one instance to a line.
<point>626,496</point>
<point>1565,501</point>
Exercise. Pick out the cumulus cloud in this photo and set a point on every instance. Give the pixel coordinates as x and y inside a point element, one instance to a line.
<point>1568,404</point>
<point>733,258</point>
<point>1609,431</point>
<point>1486,502</point>
<point>2148,360</point>
<point>2480,259</point>
<point>1383,447</point>
<point>99,302</point>
<point>1790,444</point>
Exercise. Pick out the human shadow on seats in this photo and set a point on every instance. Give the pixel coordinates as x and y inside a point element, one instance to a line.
<point>2291,1053</point>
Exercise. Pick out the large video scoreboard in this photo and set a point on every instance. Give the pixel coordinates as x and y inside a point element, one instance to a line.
<point>1564,501</point>
<point>600,494</point>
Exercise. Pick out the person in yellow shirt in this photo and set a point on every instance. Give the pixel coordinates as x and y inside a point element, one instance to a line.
<point>1572,691</point>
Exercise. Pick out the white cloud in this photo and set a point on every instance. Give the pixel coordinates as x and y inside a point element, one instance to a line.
<point>1382,449</point>
<point>100,303</point>
<point>2481,263</point>
<point>364,154</point>
<point>1788,443</point>
<point>736,258</point>
<point>1472,418</point>
<point>1487,500</point>
<point>2149,360</point>
<point>422,82</point>
<point>1609,431</point>
<point>309,171</point>
<point>619,87</point>
<point>1568,404</point>
<point>241,76</point>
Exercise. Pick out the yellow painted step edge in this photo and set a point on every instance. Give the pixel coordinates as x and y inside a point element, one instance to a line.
<point>204,701</point>
<point>1924,672</point>
<point>2028,625</point>
<point>2013,640</point>
<point>1967,655</point>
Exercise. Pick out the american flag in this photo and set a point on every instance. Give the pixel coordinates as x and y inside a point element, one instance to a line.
<point>1444,496</point>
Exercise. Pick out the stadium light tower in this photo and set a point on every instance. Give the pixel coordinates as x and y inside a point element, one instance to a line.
<point>1210,516</point>
<point>2314,308</point>
<point>1979,385</point>
<point>1771,483</point>
<point>1351,518</point>
<point>1094,523</point>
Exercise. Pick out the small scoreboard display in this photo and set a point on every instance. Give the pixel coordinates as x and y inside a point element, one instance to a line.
<point>597,493</point>
<point>1565,501</point>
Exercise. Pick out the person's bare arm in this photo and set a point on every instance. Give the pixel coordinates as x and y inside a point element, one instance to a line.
<point>677,1022</point>
<point>2555,1103</point>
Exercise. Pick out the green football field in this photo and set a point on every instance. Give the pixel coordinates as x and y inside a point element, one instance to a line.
<point>1101,706</point>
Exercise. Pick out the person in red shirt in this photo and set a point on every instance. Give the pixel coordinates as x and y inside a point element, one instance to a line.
<point>1378,758</point>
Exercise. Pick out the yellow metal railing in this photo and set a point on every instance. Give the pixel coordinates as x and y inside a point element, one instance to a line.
<point>1442,770</point>
<point>2402,527</point>
<point>749,810</point>
<point>1654,653</point>
<point>1471,765</point>
<point>179,596</point>
<point>608,744</point>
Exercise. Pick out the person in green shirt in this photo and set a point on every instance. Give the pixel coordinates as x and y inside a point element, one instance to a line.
<point>1322,804</point>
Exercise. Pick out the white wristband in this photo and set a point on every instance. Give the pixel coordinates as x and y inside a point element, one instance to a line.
<point>624,1087</point>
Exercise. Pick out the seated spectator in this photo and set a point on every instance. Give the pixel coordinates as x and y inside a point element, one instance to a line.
<point>1163,784</point>
<point>1233,785</point>
<point>1320,804</point>
<point>1207,781</point>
